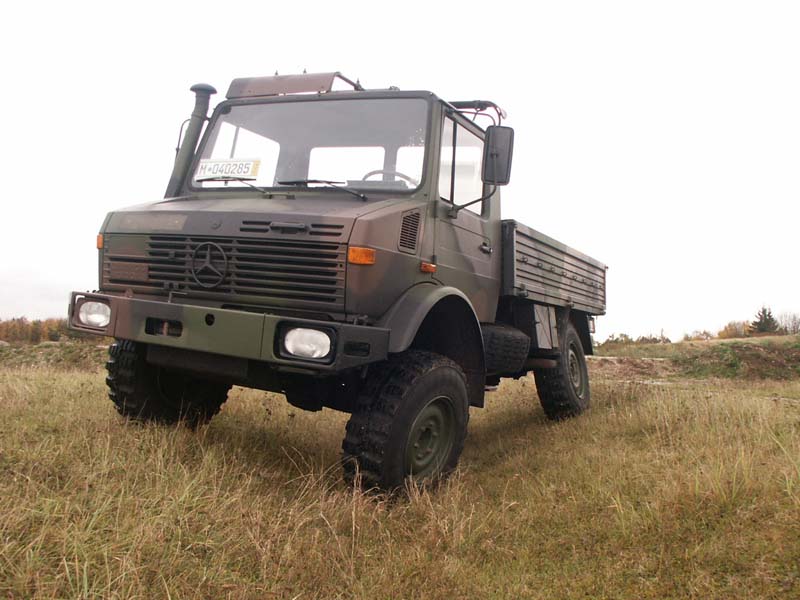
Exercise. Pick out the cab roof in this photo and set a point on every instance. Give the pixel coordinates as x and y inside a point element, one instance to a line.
<point>322,83</point>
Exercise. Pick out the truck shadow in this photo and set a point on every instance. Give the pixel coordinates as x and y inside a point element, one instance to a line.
<point>493,440</point>
<point>284,453</point>
<point>277,450</point>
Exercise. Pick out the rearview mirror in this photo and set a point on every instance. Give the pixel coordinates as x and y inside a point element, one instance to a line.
<point>497,151</point>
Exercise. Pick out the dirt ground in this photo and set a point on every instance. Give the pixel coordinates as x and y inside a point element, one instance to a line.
<point>624,368</point>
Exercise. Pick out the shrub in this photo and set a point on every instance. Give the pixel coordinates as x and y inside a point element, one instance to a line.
<point>734,329</point>
<point>698,336</point>
<point>789,323</point>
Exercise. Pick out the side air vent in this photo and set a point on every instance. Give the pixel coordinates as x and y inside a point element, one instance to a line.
<point>409,232</point>
<point>255,226</point>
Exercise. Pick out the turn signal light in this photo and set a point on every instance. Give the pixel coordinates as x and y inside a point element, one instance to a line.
<point>427,267</point>
<point>99,241</point>
<point>360,256</point>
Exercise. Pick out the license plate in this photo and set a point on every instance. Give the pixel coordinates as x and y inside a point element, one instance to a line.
<point>228,167</point>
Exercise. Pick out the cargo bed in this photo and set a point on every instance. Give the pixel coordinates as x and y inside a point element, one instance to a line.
<point>539,268</point>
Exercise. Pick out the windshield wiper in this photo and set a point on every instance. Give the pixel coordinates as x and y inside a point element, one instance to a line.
<point>326,182</point>
<point>244,180</point>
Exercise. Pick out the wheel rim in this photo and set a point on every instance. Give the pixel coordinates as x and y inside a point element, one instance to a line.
<point>575,371</point>
<point>430,438</point>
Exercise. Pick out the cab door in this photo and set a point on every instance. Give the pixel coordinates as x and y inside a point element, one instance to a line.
<point>467,240</point>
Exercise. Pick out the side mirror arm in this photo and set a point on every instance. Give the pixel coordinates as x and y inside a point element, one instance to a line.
<point>453,212</point>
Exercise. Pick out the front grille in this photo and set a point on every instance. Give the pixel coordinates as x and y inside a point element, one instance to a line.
<point>285,272</point>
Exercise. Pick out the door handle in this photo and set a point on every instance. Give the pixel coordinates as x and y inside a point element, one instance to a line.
<point>486,248</point>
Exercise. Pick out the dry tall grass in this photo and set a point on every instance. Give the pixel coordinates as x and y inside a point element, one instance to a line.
<point>690,489</point>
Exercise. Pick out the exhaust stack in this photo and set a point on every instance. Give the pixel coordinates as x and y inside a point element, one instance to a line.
<point>202,93</point>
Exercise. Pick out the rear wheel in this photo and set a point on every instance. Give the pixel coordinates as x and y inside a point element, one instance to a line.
<point>410,422</point>
<point>564,389</point>
<point>145,392</point>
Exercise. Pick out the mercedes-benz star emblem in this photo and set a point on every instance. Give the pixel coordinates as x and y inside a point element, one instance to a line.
<point>209,265</point>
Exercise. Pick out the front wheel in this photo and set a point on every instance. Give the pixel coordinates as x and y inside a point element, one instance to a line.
<point>144,392</point>
<point>564,390</point>
<point>410,422</point>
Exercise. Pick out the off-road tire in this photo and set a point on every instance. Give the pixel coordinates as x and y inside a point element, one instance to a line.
<point>405,401</point>
<point>564,390</point>
<point>144,392</point>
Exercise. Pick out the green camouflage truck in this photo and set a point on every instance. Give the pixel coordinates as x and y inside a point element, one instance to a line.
<point>344,248</point>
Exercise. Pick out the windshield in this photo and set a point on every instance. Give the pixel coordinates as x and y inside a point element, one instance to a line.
<point>370,144</point>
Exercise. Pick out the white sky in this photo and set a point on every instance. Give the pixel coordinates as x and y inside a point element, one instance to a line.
<point>662,138</point>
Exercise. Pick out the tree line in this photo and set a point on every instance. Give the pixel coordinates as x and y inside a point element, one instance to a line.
<point>20,329</point>
<point>764,323</point>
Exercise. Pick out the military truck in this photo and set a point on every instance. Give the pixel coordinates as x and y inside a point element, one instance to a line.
<point>344,248</point>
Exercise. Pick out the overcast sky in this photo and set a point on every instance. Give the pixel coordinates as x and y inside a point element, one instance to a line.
<point>662,138</point>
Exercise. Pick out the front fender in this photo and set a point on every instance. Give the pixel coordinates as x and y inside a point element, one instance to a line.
<point>406,315</point>
<point>440,319</point>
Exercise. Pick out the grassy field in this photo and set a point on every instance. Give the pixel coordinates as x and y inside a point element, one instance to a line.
<point>672,486</point>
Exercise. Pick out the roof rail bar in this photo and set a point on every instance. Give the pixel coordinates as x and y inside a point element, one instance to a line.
<point>479,106</point>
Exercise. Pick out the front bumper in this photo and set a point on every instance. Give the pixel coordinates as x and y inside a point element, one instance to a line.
<point>241,334</point>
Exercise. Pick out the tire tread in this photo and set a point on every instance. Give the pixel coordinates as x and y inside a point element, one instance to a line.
<point>368,431</point>
<point>557,398</point>
<point>133,389</point>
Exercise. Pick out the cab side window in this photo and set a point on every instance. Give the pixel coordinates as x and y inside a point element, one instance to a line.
<point>460,165</point>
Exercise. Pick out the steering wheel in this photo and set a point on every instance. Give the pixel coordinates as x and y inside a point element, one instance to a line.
<point>410,180</point>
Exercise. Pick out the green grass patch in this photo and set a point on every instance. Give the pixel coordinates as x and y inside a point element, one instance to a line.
<point>776,357</point>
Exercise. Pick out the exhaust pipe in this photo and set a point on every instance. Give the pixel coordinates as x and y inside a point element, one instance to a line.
<point>202,95</point>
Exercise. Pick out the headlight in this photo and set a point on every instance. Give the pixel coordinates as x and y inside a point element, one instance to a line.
<point>307,343</point>
<point>94,314</point>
